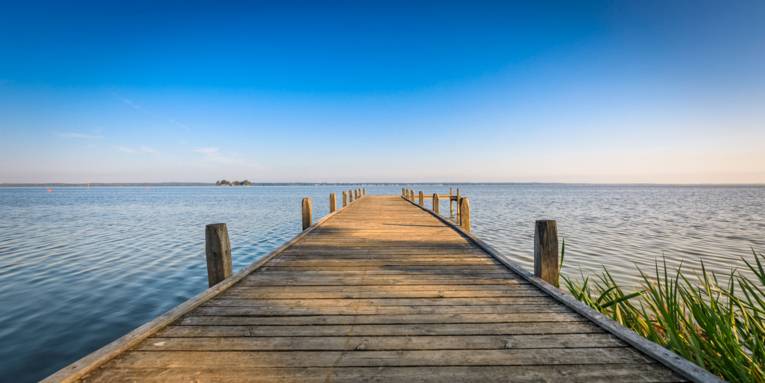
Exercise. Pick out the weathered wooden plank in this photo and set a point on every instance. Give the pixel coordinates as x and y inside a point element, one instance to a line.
<point>257,293</point>
<point>373,281</point>
<point>381,302</point>
<point>382,343</point>
<point>508,357</point>
<point>209,327</point>
<point>607,373</point>
<point>286,310</point>
<point>377,319</point>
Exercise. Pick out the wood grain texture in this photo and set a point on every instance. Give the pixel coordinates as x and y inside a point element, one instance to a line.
<point>218,253</point>
<point>381,291</point>
<point>546,251</point>
<point>306,209</point>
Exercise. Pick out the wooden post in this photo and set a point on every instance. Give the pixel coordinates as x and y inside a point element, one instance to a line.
<point>421,198</point>
<point>435,203</point>
<point>546,251</point>
<point>345,198</point>
<point>332,202</point>
<point>218,252</point>
<point>350,196</point>
<point>451,207</point>
<point>457,216</point>
<point>464,213</point>
<point>306,212</point>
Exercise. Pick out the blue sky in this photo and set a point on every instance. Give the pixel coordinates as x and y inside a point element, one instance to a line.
<point>617,91</point>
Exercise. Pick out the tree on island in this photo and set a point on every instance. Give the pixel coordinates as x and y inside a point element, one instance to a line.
<point>233,183</point>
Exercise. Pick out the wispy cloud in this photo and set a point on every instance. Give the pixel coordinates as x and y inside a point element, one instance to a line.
<point>127,101</point>
<point>137,150</point>
<point>140,108</point>
<point>79,136</point>
<point>214,155</point>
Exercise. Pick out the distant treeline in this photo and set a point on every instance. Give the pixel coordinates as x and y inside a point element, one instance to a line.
<point>233,183</point>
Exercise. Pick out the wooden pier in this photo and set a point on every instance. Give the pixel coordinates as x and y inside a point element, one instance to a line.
<point>382,289</point>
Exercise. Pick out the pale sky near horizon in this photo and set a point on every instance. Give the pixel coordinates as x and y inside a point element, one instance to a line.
<point>613,91</point>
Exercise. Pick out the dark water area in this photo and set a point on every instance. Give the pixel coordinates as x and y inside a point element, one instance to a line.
<point>79,267</point>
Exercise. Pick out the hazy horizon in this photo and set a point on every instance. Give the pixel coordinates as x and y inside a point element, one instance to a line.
<point>593,92</point>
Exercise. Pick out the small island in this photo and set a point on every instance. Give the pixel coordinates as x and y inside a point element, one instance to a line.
<point>233,183</point>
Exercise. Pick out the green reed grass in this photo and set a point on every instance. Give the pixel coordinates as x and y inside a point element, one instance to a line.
<point>715,322</point>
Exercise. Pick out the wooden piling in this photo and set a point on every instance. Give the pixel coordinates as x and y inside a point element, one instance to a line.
<point>218,252</point>
<point>421,198</point>
<point>464,209</point>
<point>457,202</point>
<point>345,198</point>
<point>451,207</point>
<point>350,196</point>
<point>435,206</point>
<point>546,251</point>
<point>332,202</point>
<point>306,208</point>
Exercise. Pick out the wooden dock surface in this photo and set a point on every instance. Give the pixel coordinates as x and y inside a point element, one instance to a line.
<point>381,291</point>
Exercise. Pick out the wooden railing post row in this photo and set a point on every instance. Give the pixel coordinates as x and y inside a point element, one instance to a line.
<point>345,198</point>
<point>218,253</point>
<point>332,202</point>
<point>306,210</point>
<point>421,198</point>
<point>546,251</point>
<point>464,209</point>
<point>435,204</point>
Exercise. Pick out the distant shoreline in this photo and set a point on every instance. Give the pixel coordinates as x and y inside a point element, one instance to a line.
<point>153,184</point>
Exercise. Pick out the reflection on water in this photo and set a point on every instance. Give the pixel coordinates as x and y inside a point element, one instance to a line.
<point>81,266</point>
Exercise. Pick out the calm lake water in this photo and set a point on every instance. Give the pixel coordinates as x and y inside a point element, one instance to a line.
<point>80,267</point>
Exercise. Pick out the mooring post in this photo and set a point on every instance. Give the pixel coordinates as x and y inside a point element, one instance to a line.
<point>350,196</point>
<point>422,198</point>
<point>451,207</point>
<point>218,252</point>
<point>345,198</point>
<point>464,213</point>
<point>457,202</point>
<point>435,203</point>
<point>332,202</point>
<point>306,208</point>
<point>546,251</point>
